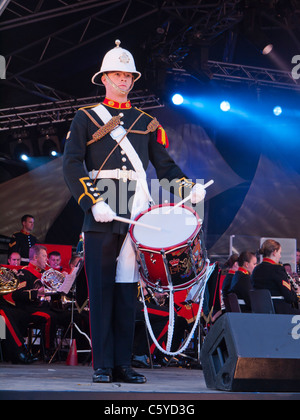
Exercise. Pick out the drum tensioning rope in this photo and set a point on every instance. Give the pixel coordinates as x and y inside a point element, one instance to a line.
<point>203,279</point>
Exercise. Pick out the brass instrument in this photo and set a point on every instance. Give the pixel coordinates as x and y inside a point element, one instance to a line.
<point>295,283</point>
<point>9,281</point>
<point>52,280</point>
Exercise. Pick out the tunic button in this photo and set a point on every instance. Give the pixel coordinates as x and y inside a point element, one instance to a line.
<point>124,168</point>
<point>124,159</point>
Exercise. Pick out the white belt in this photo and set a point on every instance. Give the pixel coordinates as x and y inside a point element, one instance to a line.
<point>241,302</point>
<point>277,297</point>
<point>114,174</point>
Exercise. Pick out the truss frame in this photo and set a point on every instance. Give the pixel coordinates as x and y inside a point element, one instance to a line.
<point>50,113</point>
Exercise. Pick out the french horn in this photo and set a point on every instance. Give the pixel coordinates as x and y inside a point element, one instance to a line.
<point>9,281</point>
<point>52,279</point>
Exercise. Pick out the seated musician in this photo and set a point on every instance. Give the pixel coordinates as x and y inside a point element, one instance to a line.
<point>232,265</point>
<point>271,275</point>
<point>30,295</point>
<point>15,323</point>
<point>241,283</point>
<point>14,259</point>
<point>54,259</point>
<point>294,278</point>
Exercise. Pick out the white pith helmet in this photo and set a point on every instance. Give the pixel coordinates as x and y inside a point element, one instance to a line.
<point>117,59</point>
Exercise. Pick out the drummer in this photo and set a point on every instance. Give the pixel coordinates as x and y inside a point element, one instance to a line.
<point>108,179</point>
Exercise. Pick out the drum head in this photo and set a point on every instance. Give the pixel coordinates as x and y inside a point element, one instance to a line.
<point>176,227</point>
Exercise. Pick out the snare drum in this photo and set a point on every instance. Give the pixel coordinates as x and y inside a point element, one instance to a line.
<point>174,256</point>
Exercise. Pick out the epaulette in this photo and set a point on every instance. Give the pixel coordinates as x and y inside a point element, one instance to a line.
<point>162,137</point>
<point>87,107</point>
<point>143,112</point>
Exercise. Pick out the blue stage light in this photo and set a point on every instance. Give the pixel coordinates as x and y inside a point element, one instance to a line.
<point>225,106</point>
<point>177,99</point>
<point>277,111</point>
<point>24,157</point>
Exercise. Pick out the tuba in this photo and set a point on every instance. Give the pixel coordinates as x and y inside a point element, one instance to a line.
<point>52,280</point>
<point>9,281</point>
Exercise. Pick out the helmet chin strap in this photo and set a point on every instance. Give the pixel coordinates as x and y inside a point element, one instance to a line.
<point>123,92</point>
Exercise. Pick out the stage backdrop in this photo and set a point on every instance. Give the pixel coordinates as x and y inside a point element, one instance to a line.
<point>270,209</point>
<point>41,192</point>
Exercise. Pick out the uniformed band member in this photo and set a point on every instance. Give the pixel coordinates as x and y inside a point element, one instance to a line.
<point>232,265</point>
<point>271,275</point>
<point>54,259</point>
<point>15,320</point>
<point>29,293</point>
<point>14,259</point>
<point>241,281</point>
<point>298,261</point>
<point>107,152</point>
<point>23,240</point>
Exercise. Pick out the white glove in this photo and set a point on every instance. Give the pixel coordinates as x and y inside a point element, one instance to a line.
<point>198,193</point>
<point>102,212</point>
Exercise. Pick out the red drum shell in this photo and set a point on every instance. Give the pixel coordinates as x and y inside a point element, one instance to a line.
<point>163,259</point>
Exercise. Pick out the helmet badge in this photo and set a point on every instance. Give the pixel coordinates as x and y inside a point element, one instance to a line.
<point>124,58</point>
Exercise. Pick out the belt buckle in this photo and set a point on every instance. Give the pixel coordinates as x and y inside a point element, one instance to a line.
<point>121,173</point>
<point>125,174</point>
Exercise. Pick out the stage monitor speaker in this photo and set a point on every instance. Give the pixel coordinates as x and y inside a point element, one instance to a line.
<point>253,352</point>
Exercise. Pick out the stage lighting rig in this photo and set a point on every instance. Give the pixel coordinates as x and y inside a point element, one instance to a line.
<point>225,106</point>
<point>277,111</point>
<point>177,99</point>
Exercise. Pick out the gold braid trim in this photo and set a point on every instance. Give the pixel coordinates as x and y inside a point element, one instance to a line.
<point>105,129</point>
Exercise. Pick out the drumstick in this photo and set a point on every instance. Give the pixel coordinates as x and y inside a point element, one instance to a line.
<point>134,222</point>
<point>189,197</point>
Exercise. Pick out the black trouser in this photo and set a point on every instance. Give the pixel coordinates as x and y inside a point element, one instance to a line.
<point>43,317</point>
<point>112,306</point>
<point>14,341</point>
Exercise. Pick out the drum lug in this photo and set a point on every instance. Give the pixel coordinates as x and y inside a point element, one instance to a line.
<point>157,288</point>
<point>192,257</point>
<point>141,258</point>
<point>163,254</point>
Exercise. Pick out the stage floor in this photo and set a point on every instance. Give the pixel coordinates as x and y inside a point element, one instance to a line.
<point>57,381</point>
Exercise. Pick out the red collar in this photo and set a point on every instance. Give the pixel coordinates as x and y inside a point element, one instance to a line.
<point>268,260</point>
<point>117,105</point>
<point>33,269</point>
<point>25,232</point>
<point>243,270</point>
<point>231,272</point>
